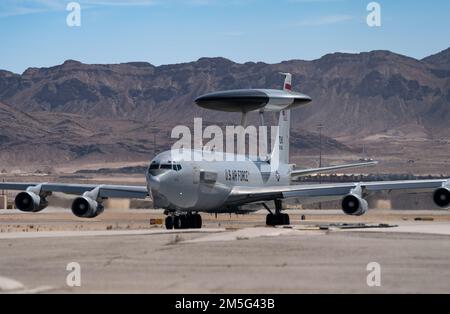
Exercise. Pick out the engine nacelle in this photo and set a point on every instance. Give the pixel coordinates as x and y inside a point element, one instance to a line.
<point>441,197</point>
<point>354,205</point>
<point>30,202</point>
<point>85,207</point>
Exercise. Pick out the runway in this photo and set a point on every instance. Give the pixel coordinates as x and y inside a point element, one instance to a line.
<point>230,255</point>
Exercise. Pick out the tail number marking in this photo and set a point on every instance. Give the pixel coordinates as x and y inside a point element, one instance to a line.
<point>236,175</point>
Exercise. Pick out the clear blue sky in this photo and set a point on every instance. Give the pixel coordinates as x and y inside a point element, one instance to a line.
<point>35,33</point>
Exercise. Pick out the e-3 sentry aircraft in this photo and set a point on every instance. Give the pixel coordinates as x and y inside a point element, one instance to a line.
<point>185,188</point>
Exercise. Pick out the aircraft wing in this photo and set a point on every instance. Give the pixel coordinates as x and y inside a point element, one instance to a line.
<point>327,192</point>
<point>304,172</point>
<point>104,191</point>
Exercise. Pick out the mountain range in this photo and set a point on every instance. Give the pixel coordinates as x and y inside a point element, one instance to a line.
<point>113,111</point>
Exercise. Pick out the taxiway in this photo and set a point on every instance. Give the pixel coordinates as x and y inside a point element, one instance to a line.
<point>120,252</point>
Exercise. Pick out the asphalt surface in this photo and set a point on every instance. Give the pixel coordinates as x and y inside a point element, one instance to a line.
<point>230,255</point>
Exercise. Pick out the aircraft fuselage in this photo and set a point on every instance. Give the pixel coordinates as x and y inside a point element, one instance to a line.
<point>205,185</point>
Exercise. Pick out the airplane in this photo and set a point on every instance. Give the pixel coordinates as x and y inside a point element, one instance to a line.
<point>186,188</point>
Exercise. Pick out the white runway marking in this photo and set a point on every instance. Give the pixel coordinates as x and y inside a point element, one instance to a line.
<point>436,228</point>
<point>7,284</point>
<point>250,233</point>
<point>11,286</point>
<point>66,234</point>
<point>36,290</point>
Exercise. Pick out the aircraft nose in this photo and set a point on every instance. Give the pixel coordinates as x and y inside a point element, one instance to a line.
<point>154,182</point>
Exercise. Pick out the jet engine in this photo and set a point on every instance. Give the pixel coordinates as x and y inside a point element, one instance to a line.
<point>85,207</point>
<point>441,197</point>
<point>30,202</point>
<point>354,205</point>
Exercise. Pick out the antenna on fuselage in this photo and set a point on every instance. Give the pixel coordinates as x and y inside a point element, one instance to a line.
<point>255,100</point>
<point>251,100</point>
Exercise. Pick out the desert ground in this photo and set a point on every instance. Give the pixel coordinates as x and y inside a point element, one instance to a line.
<point>321,252</point>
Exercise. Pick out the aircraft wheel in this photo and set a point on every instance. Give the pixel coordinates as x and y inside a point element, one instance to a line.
<point>270,220</point>
<point>184,222</point>
<point>286,220</point>
<point>169,222</point>
<point>178,222</point>
<point>188,221</point>
<point>277,220</point>
<point>197,221</point>
<point>191,220</point>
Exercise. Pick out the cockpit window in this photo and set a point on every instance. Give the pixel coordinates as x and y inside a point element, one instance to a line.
<point>153,169</point>
<point>156,168</point>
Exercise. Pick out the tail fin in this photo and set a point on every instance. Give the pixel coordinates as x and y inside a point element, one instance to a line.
<point>280,151</point>
<point>287,82</point>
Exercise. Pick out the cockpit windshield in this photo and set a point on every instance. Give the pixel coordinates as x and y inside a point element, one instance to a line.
<point>157,168</point>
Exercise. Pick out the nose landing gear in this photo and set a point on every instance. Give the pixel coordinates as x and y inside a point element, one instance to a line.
<point>184,221</point>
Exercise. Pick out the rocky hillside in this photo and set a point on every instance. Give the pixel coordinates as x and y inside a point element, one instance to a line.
<point>355,96</point>
<point>441,59</point>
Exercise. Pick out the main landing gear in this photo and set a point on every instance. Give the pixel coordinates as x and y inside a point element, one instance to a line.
<point>184,221</point>
<point>277,219</point>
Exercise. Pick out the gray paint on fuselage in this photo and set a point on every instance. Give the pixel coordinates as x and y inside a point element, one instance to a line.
<point>184,190</point>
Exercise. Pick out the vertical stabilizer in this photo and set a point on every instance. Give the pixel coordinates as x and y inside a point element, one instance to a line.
<point>280,151</point>
<point>287,82</point>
